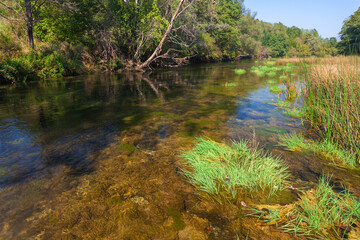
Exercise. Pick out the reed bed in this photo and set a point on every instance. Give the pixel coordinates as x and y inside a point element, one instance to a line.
<point>315,60</point>
<point>332,96</point>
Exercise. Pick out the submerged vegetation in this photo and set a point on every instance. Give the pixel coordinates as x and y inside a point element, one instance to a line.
<point>223,171</point>
<point>320,212</point>
<point>240,71</point>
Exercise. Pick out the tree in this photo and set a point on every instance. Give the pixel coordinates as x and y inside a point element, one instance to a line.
<point>350,35</point>
<point>27,12</point>
<point>277,42</point>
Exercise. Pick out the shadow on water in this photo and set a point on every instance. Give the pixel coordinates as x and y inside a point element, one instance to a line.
<point>65,123</point>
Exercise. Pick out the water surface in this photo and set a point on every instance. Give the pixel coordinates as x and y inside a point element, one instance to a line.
<point>113,141</point>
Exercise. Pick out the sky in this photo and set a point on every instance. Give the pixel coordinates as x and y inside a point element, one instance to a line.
<point>326,16</point>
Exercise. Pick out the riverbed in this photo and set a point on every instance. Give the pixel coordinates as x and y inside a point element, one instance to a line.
<point>98,156</point>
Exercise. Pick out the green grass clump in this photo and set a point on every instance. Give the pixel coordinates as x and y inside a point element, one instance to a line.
<point>230,84</point>
<point>275,89</point>
<point>295,112</point>
<point>254,69</point>
<point>271,82</point>
<point>127,147</point>
<point>319,213</point>
<point>240,71</point>
<point>283,104</point>
<point>322,211</point>
<point>270,63</point>
<point>329,150</point>
<point>260,73</point>
<point>222,170</point>
<point>283,77</point>
<point>271,74</point>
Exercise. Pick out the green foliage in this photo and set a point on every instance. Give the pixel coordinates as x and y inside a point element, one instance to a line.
<point>14,70</point>
<point>240,71</point>
<point>295,112</point>
<point>350,35</point>
<point>222,171</point>
<point>49,63</point>
<point>275,89</point>
<point>277,42</point>
<point>114,33</point>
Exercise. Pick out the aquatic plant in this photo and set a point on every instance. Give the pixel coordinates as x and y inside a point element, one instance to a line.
<point>328,149</point>
<point>332,93</point>
<point>283,77</point>
<point>271,74</point>
<point>295,112</point>
<point>283,104</point>
<point>270,63</point>
<point>320,212</point>
<point>230,84</point>
<point>260,73</point>
<point>275,89</point>
<point>223,170</point>
<point>271,82</point>
<point>240,71</point>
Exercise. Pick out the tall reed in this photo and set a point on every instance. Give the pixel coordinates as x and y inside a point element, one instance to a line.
<point>332,96</point>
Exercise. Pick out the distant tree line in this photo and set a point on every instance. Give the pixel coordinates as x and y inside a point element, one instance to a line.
<point>112,34</point>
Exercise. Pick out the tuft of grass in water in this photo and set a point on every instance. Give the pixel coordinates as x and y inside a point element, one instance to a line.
<point>275,89</point>
<point>283,77</point>
<point>260,73</point>
<point>240,71</point>
<point>270,63</point>
<point>320,212</point>
<point>295,112</point>
<point>230,84</point>
<point>329,150</point>
<point>222,170</point>
<point>271,74</point>
<point>283,104</point>
<point>127,147</point>
<point>271,82</point>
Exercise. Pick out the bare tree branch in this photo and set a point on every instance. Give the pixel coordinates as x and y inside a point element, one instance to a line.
<point>10,8</point>
<point>158,48</point>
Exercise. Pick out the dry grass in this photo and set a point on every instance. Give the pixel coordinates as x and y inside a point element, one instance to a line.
<point>331,94</point>
<point>316,61</point>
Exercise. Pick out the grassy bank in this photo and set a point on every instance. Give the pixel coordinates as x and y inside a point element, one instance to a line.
<point>46,63</point>
<point>223,171</point>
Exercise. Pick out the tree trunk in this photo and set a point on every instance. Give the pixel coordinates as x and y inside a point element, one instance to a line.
<point>158,48</point>
<point>29,24</point>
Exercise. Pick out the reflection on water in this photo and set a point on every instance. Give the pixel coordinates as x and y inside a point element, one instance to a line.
<point>102,126</point>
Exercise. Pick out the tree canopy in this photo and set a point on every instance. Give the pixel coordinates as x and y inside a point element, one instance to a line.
<point>350,35</point>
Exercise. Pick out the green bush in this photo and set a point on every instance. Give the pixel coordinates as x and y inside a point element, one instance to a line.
<point>14,70</point>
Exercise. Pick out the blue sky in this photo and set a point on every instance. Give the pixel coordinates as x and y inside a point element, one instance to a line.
<point>326,16</point>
